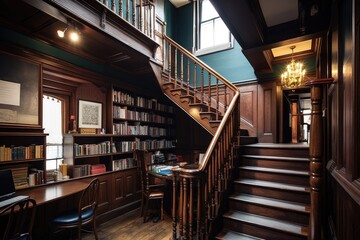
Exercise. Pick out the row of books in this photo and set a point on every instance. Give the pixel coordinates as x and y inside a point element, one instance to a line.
<point>123,163</point>
<point>92,149</point>
<point>124,128</point>
<point>20,176</point>
<point>21,152</point>
<point>125,98</point>
<point>124,113</point>
<point>122,97</point>
<point>127,146</point>
<point>87,169</point>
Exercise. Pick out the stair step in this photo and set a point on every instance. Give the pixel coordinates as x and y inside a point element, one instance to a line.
<point>281,186</point>
<point>231,235</point>
<point>279,158</point>
<point>287,192</point>
<point>270,207</point>
<point>276,170</point>
<point>291,163</point>
<point>271,202</point>
<point>245,140</point>
<point>276,175</point>
<point>275,149</point>
<point>265,227</point>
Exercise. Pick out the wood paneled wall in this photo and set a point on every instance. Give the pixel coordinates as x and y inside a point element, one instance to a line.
<point>342,188</point>
<point>267,112</point>
<point>248,109</point>
<point>258,110</point>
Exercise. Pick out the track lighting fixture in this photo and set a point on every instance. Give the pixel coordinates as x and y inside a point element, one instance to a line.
<point>72,32</point>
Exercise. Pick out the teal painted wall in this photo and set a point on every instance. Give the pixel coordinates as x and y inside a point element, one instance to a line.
<point>231,63</point>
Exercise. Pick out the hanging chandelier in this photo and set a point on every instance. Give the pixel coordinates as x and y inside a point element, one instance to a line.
<point>294,75</point>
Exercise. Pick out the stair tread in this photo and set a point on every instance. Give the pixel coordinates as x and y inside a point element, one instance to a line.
<point>279,225</point>
<point>278,158</point>
<point>276,170</point>
<point>272,202</point>
<point>231,235</point>
<point>279,145</point>
<point>282,186</point>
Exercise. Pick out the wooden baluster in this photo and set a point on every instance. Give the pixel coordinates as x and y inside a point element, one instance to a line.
<point>195,87</point>
<point>191,209</point>
<point>206,205</point>
<point>182,70</point>
<point>141,17</point>
<point>199,209</point>
<point>169,62</point>
<point>181,206</point>
<point>146,21</point>
<point>209,92</point>
<point>185,209</point>
<point>127,10</point>
<point>133,13</point>
<point>152,33</point>
<point>217,99</point>
<point>113,7</point>
<point>174,205</point>
<point>225,100</point>
<point>175,69</point>
<point>202,86</point>
<point>121,8</point>
<point>188,77</point>
<point>217,168</point>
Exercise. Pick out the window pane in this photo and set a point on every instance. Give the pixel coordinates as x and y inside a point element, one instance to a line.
<point>206,38</point>
<point>52,123</point>
<point>222,33</point>
<point>208,11</point>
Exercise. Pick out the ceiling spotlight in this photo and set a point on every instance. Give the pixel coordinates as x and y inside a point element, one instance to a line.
<point>74,36</point>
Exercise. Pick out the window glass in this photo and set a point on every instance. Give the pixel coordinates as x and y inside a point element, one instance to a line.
<point>212,32</point>
<point>52,123</point>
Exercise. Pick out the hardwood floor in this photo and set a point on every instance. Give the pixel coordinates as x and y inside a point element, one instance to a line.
<point>130,226</point>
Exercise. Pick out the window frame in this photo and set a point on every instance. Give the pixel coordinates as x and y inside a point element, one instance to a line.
<point>198,51</point>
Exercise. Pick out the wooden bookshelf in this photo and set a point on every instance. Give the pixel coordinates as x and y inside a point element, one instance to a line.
<point>23,153</point>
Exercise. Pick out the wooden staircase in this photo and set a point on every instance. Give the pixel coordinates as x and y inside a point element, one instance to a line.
<point>270,197</point>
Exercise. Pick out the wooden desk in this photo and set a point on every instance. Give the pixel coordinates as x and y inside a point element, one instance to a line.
<point>48,193</point>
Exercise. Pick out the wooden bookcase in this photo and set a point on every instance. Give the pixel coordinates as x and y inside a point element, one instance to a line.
<point>134,122</point>
<point>24,153</point>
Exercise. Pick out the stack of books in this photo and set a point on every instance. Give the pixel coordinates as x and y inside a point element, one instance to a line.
<point>98,168</point>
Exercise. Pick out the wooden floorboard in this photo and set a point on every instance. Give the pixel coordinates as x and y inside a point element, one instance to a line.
<point>130,226</point>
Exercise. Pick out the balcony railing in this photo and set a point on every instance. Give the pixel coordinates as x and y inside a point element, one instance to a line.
<point>139,13</point>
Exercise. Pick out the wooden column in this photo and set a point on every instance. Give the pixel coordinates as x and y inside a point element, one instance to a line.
<point>316,154</point>
<point>295,128</point>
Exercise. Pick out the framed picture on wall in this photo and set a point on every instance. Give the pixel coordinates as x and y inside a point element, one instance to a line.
<point>90,114</point>
<point>20,85</point>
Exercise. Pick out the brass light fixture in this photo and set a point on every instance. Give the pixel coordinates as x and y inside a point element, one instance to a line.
<point>294,75</point>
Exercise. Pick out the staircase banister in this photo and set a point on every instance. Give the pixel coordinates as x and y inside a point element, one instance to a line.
<point>202,64</point>
<point>202,166</point>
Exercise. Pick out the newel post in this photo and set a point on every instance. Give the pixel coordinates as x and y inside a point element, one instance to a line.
<point>316,156</point>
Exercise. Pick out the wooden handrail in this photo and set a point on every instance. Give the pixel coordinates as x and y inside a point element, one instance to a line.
<point>201,63</point>
<point>214,140</point>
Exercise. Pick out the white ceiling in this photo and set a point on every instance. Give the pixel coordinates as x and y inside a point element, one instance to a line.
<point>279,11</point>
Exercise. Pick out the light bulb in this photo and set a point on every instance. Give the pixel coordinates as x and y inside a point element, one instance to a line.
<point>60,33</point>
<point>74,36</point>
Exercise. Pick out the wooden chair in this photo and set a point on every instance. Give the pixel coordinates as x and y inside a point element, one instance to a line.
<point>20,220</point>
<point>85,212</point>
<point>149,192</point>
